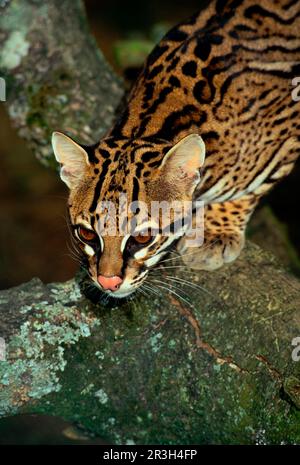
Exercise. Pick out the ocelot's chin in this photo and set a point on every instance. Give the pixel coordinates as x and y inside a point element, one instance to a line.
<point>120,294</point>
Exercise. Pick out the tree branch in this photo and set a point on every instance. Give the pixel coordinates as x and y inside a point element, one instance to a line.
<point>158,370</point>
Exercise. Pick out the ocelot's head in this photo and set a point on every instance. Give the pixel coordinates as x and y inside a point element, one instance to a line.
<point>116,189</point>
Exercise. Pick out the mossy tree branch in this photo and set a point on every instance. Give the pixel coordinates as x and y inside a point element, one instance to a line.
<point>156,370</point>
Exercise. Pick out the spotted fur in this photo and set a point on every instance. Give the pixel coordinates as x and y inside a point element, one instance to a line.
<point>225,74</point>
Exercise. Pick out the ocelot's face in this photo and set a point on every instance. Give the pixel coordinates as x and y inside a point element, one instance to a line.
<point>114,193</point>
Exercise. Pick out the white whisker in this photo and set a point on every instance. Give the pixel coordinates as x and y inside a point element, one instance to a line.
<point>199,250</point>
<point>171,288</point>
<point>193,285</point>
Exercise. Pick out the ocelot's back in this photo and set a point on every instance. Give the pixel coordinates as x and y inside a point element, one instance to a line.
<point>226,74</point>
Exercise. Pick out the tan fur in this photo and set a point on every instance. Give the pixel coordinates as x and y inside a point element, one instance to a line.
<point>226,75</point>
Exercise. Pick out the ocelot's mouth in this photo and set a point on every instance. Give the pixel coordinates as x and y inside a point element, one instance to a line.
<point>124,288</point>
<point>105,298</point>
<point>120,294</point>
<point>123,292</point>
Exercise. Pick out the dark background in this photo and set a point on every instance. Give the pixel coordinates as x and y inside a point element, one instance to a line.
<point>33,232</point>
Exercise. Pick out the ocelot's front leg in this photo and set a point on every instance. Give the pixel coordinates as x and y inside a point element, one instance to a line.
<point>224,234</point>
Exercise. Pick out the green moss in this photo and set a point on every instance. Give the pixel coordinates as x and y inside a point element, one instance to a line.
<point>37,352</point>
<point>291,387</point>
<point>102,396</point>
<point>14,49</point>
<point>155,342</point>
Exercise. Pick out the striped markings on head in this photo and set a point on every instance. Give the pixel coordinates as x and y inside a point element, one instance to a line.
<point>88,248</point>
<point>140,254</point>
<point>124,242</point>
<point>142,227</point>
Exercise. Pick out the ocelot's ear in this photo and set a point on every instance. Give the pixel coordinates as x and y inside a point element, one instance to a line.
<point>72,158</point>
<point>182,163</point>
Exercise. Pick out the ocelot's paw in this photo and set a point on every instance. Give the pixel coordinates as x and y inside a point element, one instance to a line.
<point>215,251</point>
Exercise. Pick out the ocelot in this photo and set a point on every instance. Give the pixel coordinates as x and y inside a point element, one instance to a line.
<point>211,118</point>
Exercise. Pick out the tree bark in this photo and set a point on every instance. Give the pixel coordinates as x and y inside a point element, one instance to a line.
<point>157,369</point>
<point>56,77</point>
<point>213,367</point>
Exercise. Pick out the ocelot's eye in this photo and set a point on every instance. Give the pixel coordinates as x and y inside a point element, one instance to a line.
<point>86,235</point>
<point>143,239</point>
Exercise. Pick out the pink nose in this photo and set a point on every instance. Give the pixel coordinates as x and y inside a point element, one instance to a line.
<point>111,283</point>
